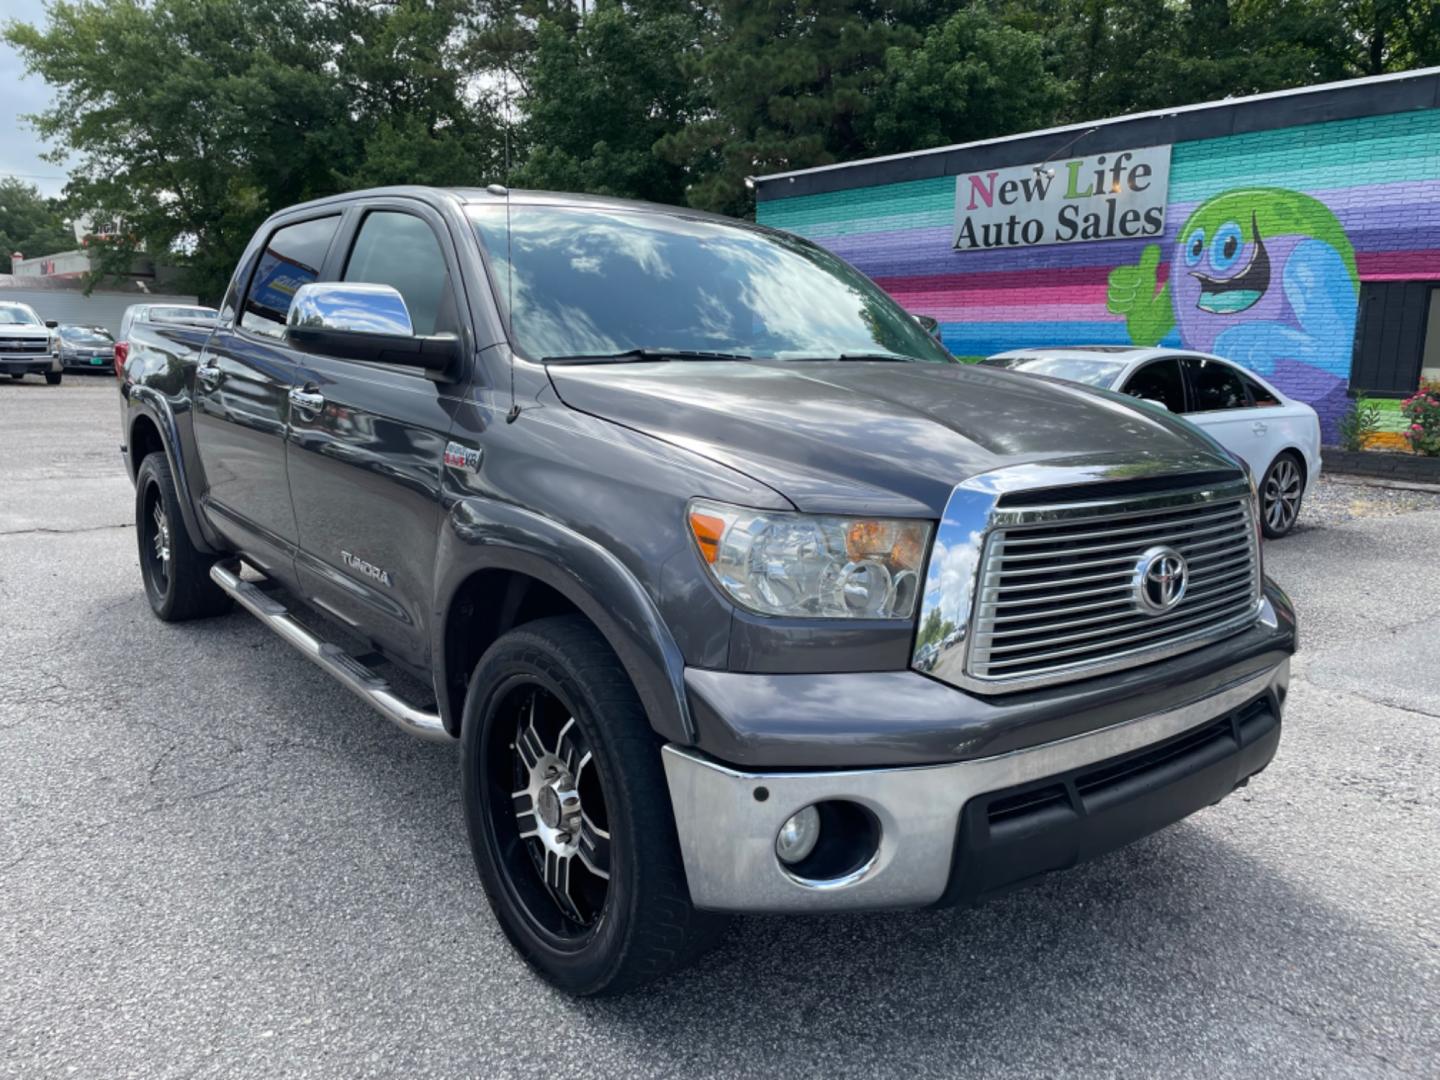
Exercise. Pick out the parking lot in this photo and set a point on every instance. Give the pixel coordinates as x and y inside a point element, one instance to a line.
<point>213,861</point>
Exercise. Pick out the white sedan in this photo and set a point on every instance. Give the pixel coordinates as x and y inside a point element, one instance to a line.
<point>1278,437</point>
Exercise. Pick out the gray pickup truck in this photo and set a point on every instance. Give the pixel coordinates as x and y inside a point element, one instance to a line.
<point>735,591</point>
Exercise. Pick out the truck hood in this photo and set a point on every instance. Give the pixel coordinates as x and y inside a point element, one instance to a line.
<point>867,437</point>
<point>12,330</point>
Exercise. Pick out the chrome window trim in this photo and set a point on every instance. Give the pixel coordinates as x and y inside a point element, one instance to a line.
<point>973,514</point>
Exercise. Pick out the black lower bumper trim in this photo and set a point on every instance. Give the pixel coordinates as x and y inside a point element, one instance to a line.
<point>1011,837</point>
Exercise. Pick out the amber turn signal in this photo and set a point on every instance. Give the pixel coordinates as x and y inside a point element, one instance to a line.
<point>708,530</point>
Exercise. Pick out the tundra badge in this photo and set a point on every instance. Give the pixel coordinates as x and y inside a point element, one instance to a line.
<point>367,568</point>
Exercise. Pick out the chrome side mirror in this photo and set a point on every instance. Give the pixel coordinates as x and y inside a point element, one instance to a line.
<point>930,325</point>
<point>362,321</point>
<point>350,308</point>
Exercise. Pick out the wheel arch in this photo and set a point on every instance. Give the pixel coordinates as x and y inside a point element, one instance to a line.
<point>515,566</point>
<point>1299,455</point>
<point>152,429</point>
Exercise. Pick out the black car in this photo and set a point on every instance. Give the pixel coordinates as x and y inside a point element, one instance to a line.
<point>86,347</point>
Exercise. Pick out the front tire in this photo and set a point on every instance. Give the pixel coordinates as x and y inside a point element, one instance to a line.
<point>175,572</point>
<point>569,815</point>
<point>1281,492</point>
<point>17,375</point>
<point>53,378</point>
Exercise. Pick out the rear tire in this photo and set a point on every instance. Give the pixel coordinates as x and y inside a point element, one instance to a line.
<point>1281,492</point>
<point>175,572</point>
<point>557,755</point>
<point>17,375</point>
<point>53,377</point>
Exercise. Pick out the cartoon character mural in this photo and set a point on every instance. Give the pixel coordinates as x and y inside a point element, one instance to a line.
<point>1262,276</point>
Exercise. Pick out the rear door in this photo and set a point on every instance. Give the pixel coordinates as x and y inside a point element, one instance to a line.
<point>1220,402</point>
<point>365,461</point>
<point>241,397</point>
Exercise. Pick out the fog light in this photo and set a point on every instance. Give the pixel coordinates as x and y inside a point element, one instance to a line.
<point>797,836</point>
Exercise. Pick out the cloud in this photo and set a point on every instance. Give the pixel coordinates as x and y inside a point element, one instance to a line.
<point>20,147</point>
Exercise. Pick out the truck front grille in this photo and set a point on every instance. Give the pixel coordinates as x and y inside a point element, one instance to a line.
<point>1060,598</point>
<point>26,345</point>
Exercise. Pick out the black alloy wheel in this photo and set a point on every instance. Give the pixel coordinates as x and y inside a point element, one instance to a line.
<point>569,813</point>
<point>175,572</point>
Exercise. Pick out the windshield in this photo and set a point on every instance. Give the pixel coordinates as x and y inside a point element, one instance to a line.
<point>595,282</point>
<point>85,335</point>
<point>182,314</point>
<point>1093,372</point>
<point>18,315</point>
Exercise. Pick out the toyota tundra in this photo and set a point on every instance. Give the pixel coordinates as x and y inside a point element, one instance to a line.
<point>733,590</point>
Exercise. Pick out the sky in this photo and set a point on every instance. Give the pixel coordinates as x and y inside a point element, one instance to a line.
<point>20,147</point>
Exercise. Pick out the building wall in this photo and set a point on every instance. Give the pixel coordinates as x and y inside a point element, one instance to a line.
<point>1357,200</point>
<point>98,309</point>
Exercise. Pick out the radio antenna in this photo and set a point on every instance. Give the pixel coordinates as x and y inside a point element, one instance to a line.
<point>501,189</point>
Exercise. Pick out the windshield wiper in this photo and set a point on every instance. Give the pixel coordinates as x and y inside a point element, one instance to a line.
<point>636,356</point>
<point>894,358</point>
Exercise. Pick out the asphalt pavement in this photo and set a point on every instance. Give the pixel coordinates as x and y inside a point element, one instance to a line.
<point>215,862</point>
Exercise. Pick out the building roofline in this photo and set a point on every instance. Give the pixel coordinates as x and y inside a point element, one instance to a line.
<point>1374,95</point>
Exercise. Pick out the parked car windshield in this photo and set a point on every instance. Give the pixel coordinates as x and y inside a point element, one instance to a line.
<point>598,281</point>
<point>1093,372</point>
<point>18,315</point>
<point>85,335</point>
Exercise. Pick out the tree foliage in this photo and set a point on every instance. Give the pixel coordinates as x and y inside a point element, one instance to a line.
<point>194,119</point>
<point>29,223</point>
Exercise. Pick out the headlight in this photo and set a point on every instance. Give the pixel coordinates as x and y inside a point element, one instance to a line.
<point>812,566</point>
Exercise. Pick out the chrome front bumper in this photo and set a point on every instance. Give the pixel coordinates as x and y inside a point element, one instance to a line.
<point>727,819</point>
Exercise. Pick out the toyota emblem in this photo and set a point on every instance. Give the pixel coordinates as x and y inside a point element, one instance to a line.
<point>1160,579</point>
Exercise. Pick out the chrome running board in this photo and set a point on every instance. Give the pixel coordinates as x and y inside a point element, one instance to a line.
<point>353,675</point>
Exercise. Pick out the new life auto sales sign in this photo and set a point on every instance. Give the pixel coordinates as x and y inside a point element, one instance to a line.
<point>1114,196</point>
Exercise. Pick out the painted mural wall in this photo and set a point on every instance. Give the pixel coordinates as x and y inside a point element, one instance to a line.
<point>1267,239</point>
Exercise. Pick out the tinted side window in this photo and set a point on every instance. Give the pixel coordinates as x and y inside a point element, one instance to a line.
<point>1258,394</point>
<point>1215,385</point>
<point>1159,381</point>
<point>400,250</point>
<point>292,257</point>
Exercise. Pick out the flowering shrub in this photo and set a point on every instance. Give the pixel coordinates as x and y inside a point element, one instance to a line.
<point>1422,410</point>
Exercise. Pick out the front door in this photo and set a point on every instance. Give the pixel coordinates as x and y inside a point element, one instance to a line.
<point>242,386</point>
<point>366,452</point>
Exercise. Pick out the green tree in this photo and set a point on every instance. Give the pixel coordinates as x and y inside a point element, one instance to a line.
<point>601,94</point>
<point>192,120</point>
<point>973,77</point>
<point>29,223</point>
<point>788,86</point>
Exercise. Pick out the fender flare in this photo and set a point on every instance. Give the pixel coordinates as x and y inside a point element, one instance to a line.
<point>150,403</point>
<point>481,534</point>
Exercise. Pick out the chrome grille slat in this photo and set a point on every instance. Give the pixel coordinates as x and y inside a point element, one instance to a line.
<point>1177,538</point>
<point>1001,590</point>
<point>1030,626</point>
<point>1055,591</point>
<point>1072,538</point>
<point>1113,641</point>
<point>1159,624</point>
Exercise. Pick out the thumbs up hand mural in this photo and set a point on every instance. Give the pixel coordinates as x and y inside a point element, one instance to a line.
<point>1143,297</point>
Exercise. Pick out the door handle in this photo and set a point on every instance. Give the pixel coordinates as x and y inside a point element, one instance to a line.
<point>306,401</point>
<point>1260,427</point>
<point>209,374</point>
